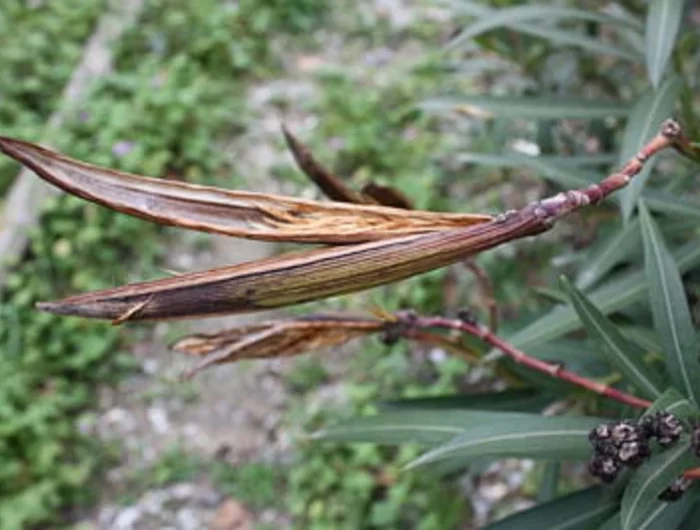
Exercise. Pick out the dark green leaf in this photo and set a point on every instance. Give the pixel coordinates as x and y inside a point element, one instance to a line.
<point>549,484</point>
<point>527,436</point>
<point>670,311</point>
<point>425,427</point>
<point>582,510</point>
<point>527,107</point>
<point>612,296</point>
<point>644,121</point>
<point>672,401</point>
<point>526,400</point>
<point>614,250</point>
<point>669,515</point>
<point>620,353</point>
<point>515,17</point>
<point>640,500</point>
<point>663,22</point>
<point>614,523</point>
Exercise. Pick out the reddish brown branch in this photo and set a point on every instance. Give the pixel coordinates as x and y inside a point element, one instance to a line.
<point>521,357</point>
<point>564,203</point>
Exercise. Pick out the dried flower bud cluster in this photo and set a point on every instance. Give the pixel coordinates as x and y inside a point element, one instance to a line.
<point>663,426</point>
<point>626,443</point>
<point>676,490</point>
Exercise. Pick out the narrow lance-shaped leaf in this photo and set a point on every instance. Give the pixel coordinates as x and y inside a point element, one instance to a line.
<point>648,112</point>
<point>538,437</point>
<point>520,400</point>
<point>423,427</point>
<point>668,515</point>
<point>527,107</point>
<point>581,510</point>
<point>663,22</point>
<point>654,476</point>
<point>621,354</point>
<point>236,213</point>
<point>670,311</point>
<point>614,250</point>
<point>517,17</point>
<point>277,338</point>
<point>672,401</point>
<point>610,297</point>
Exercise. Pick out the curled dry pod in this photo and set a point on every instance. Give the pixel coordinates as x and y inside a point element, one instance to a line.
<point>277,338</point>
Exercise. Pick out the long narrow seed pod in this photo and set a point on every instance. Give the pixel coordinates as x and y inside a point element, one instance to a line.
<point>249,215</point>
<point>296,278</point>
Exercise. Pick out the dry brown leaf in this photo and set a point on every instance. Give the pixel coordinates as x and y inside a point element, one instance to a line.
<point>235,213</point>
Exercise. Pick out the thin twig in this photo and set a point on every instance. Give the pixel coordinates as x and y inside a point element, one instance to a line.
<point>553,208</point>
<point>521,357</point>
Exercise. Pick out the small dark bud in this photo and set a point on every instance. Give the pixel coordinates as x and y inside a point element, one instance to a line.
<point>467,316</point>
<point>663,426</point>
<point>390,336</point>
<point>675,491</point>
<point>604,468</point>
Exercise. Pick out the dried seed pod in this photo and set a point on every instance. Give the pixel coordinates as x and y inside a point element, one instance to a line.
<point>663,426</point>
<point>676,490</point>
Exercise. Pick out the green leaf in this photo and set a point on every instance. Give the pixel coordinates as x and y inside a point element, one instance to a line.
<point>692,517</point>
<point>669,515</point>
<point>582,510</point>
<point>516,160</point>
<point>423,427</point>
<point>614,523</point>
<point>643,337</point>
<point>620,353</point>
<point>528,107</point>
<point>615,250</point>
<point>514,17</point>
<point>669,308</point>
<point>672,401</point>
<point>610,297</point>
<point>549,485</point>
<point>527,436</point>
<point>646,117</point>
<point>663,22</point>
<point>641,495</point>
<point>525,400</point>
<point>565,37</point>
